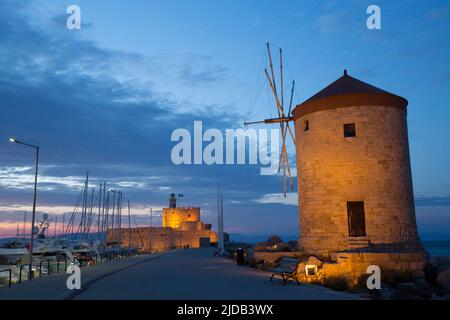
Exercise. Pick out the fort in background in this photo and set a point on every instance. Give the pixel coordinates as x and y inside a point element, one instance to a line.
<point>181,228</point>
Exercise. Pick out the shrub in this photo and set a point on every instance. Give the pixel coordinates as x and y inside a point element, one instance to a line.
<point>266,266</point>
<point>393,277</point>
<point>361,281</point>
<point>336,283</point>
<point>253,263</point>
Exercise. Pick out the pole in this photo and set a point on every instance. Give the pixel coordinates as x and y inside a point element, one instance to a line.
<point>220,245</point>
<point>108,200</point>
<point>281,78</point>
<point>85,203</point>
<point>119,215</point>
<point>129,225</point>
<point>151,215</point>
<point>221,223</point>
<point>33,217</point>
<point>112,217</point>
<point>63,223</point>
<point>99,208</point>
<point>272,120</point>
<point>24,223</point>
<point>120,218</point>
<point>104,205</point>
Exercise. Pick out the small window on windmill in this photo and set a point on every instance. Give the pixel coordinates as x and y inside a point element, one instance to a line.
<point>306,125</point>
<point>349,130</point>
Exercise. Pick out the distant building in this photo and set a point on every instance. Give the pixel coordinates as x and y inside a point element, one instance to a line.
<point>181,228</point>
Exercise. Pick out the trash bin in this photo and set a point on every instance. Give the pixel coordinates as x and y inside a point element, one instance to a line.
<point>240,257</point>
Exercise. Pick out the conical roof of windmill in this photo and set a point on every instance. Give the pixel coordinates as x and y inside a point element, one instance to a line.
<point>348,91</point>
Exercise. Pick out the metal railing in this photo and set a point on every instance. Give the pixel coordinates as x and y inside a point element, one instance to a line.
<point>10,276</point>
<point>96,259</point>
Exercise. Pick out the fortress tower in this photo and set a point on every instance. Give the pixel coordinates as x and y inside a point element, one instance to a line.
<point>354,175</point>
<point>184,218</point>
<point>177,218</point>
<point>181,228</point>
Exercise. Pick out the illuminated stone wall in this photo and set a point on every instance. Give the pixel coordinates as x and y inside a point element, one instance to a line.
<point>174,217</point>
<point>373,167</point>
<point>158,239</point>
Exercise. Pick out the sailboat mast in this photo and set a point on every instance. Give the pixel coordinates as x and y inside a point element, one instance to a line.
<point>129,225</point>
<point>85,203</point>
<point>24,222</point>
<point>64,220</point>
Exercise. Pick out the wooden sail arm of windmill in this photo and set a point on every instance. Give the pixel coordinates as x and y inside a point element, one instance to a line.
<point>279,106</point>
<point>271,120</point>
<point>283,118</point>
<point>284,160</point>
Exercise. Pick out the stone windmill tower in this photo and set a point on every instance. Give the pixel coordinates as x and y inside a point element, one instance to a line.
<point>355,193</point>
<point>354,175</point>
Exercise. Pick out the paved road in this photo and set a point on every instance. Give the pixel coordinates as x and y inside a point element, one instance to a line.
<point>182,274</point>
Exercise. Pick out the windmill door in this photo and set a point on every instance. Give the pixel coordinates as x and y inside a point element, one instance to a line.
<point>356,219</point>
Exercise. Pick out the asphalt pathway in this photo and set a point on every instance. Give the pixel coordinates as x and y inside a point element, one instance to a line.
<point>190,274</point>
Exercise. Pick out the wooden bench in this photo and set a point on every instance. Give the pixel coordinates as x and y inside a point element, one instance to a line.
<point>287,269</point>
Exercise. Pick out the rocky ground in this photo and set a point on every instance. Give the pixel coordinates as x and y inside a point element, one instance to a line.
<point>395,285</point>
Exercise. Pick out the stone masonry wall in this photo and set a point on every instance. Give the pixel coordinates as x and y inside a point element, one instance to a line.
<point>373,167</point>
<point>173,217</point>
<point>160,239</point>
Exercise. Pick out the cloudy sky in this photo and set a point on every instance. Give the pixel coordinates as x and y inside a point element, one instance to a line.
<point>106,98</point>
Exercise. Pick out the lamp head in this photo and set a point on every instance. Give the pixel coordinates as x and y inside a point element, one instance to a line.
<point>12,140</point>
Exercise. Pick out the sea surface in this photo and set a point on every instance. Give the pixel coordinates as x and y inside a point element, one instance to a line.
<point>437,248</point>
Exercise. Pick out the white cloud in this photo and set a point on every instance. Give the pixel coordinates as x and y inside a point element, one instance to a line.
<point>132,184</point>
<point>23,178</point>
<point>9,170</point>
<point>331,23</point>
<point>278,198</point>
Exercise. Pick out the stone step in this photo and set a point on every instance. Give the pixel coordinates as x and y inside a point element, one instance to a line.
<point>358,243</point>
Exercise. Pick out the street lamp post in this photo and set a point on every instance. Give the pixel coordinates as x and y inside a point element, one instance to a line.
<point>151,225</point>
<point>151,215</point>
<point>118,216</point>
<point>34,199</point>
